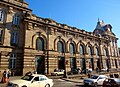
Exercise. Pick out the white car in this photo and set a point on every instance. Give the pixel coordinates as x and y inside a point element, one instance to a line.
<point>34,80</point>
<point>58,72</point>
<point>104,69</point>
<point>95,80</point>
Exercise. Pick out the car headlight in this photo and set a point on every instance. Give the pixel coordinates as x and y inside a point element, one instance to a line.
<point>15,85</point>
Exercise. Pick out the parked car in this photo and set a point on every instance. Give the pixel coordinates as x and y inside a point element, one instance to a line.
<point>95,80</point>
<point>58,72</point>
<point>111,82</point>
<point>34,80</point>
<point>73,71</point>
<point>104,69</point>
<point>87,70</point>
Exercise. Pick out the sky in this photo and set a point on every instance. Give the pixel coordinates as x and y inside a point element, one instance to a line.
<point>82,14</point>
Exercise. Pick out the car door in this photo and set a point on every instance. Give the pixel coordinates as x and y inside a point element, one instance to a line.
<point>43,81</point>
<point>35,82</point>
<point>100,80</point>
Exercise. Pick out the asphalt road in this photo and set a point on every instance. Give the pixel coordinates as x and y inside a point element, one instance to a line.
<point>58,83</point>
<point>63,83</point>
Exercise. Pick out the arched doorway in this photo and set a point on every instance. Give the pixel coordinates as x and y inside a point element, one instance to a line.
<point>40,64</point>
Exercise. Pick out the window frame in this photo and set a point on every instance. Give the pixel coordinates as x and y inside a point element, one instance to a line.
<point>81,50</point>
<point>14,38</point>
<point>40,44</point>
<point>12,61</point>
<point>60,47</point>
<point>16,19</point>
<point>89,50</point>
<point>2,15</point>
<point>72,48</point>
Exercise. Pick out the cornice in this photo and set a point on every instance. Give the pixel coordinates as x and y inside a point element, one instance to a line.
<point>20,6</point>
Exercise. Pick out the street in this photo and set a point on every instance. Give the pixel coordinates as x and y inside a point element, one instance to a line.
<point>58,83</point>
<point>63,83</point>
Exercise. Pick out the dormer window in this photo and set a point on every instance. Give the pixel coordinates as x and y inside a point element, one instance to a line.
<point>1,15</point>
<point>16,20</point>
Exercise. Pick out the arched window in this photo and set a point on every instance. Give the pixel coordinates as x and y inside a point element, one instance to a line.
<point>60,47</point>
<point>89,50</point>
<point>72,48</point>
<point>40,44</point>
<point>81,50</point>
<point>97,53</point>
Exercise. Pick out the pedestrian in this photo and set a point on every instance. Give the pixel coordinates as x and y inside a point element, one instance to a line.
<point>6,75</point>
<point>89,74</point>
<point>78,70</point>
<point>97,69</point>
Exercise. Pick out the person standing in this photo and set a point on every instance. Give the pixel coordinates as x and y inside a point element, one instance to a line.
<point>6,75</point>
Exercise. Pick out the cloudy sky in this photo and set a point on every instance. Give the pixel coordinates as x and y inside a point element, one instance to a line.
<point>82,14</point>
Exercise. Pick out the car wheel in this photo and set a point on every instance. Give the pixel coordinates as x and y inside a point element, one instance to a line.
<point>24,86</point>
<point>95,85</point>
<point>47,85</point>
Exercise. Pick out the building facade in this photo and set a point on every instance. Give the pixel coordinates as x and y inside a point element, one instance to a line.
<point>29,42</point>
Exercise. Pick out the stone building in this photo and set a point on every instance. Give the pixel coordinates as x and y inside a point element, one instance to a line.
<point>29,42</point>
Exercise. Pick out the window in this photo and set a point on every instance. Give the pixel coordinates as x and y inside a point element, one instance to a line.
<point>40,44</point>
<point>16,20</point>
<point>105,52</point>
<point>42,79</point>
<point>1,16</point>
<point>12,61</point>
<point>72,48</point>
<point>81,50</point>
<point>112,62</point>
<point>89,51</point>
<point>60,47</point>
<point>36,79</point>
<point>97,53</point>
<point>14,39</point>
<point>1,35</point>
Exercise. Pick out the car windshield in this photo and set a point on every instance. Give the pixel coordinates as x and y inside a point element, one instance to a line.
<point>27,77</point>
<point>116,80</point>
<point>94,77</point>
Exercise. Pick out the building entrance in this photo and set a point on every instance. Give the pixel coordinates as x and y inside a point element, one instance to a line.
<point>73,63</point>
<point>83,67</point>
<point>40,64</point>
<point>98,64</point>
<point>92,63</point>
<point>61,63</point>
